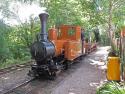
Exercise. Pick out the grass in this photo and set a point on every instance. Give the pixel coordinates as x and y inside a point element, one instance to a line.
<point>111,88</point>
<point>12,62</point>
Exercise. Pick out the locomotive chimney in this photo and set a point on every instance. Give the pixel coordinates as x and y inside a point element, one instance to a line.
<point>43,19</point>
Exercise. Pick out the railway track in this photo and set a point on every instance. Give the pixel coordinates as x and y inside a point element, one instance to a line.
<point>9,70</point>
<point>8,90</point>
<point>15,67</point>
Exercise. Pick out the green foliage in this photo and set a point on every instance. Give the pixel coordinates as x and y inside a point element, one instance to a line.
<point>111,88</point>
<point>16,40</point>
<point>4,50</point>
<point>104,39</point>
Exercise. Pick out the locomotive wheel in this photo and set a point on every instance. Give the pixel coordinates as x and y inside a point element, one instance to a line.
<point>66,66</point>
<point>31,73</point>
<point>51,75</point>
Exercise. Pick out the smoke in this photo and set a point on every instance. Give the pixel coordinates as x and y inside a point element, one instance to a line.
<point>22,12</point>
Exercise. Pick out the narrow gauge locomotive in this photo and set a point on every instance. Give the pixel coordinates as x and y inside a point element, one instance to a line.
<point>55,50</point>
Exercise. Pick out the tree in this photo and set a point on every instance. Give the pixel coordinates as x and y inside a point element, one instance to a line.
<point>4,49</point>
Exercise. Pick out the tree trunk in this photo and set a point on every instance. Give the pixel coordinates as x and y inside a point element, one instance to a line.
<point>110,21</point>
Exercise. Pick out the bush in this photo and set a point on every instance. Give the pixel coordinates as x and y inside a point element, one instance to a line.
<point>111,88</point>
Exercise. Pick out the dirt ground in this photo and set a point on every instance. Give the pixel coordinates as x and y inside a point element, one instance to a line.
<point>87,77</point>
<point>80,78</point>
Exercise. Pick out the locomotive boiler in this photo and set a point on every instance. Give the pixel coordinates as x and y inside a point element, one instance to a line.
<point>42,49</point>
<point>55,50</point>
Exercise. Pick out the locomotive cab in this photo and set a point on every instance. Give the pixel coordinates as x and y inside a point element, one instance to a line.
<point>67,39</point>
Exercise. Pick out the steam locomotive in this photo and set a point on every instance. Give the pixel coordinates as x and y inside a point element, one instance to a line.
<point>55,50</point>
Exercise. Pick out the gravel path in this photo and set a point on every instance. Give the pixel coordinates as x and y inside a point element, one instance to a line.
<point>88,77</point>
